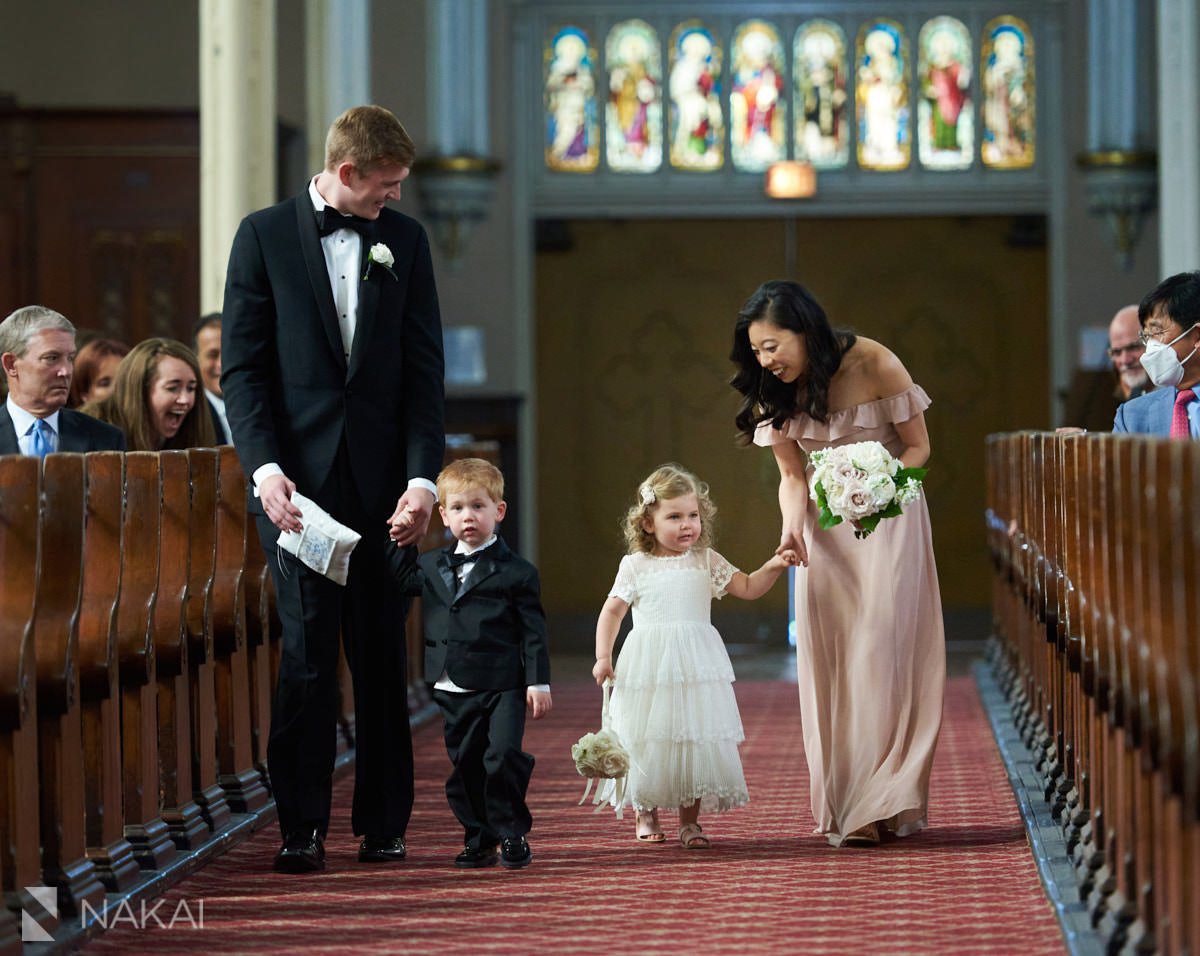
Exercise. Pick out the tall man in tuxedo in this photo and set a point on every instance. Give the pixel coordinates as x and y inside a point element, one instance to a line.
<point>37,351</point>
<point>333,385</point>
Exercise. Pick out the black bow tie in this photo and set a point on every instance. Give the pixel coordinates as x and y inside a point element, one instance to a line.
<point>329,220</point>
<point>458,560</point>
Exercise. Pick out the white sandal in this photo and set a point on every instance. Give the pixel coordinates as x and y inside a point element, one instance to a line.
<point>692,837</point>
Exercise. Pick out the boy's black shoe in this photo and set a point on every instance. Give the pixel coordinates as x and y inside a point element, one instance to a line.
<point>474,857</point>
<point>515,852</point>
<point>303,851</point>
<point>381,849</point>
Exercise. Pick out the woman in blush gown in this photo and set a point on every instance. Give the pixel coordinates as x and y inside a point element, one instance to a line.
<point>870,648</point>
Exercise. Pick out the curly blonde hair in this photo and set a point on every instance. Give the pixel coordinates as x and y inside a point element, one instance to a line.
<point>664,483</point>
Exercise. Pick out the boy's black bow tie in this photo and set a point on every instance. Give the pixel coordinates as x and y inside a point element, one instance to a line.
<point>329,220</point>
<point>458,560</point>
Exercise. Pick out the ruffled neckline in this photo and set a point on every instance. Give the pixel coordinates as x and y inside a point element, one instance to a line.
<point>845,421</point>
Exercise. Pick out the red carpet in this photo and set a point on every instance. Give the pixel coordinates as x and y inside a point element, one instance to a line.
<point>966,885</point>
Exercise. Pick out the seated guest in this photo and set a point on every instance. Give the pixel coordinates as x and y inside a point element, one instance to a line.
<point>37,350</point>
<point>1125,348</point>
<point>207,340</point>
<point>154,398</point>
<point>95,369</point>
<point>1170,321</point>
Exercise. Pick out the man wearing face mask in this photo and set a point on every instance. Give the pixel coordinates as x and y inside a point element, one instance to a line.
<point>1170,321</point>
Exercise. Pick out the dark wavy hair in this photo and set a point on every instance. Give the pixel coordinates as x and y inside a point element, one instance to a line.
<point>790,306</point>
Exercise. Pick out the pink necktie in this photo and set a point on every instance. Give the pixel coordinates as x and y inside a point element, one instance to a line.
<point>1179,420</point>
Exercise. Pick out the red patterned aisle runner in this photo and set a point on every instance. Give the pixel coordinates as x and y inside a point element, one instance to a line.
<point>966,885</point>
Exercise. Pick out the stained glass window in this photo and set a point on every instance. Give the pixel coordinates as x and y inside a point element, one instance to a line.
<point>697,128</point>
<point>633,117</point>
<point>884,133</point>
<point>945,113</point>
<point>572,131</point>
<point>819,69</point>
<point>1008,94</point>
<point>757,108</point>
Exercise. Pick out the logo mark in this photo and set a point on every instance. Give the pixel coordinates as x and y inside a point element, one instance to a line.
<point>42,908</point>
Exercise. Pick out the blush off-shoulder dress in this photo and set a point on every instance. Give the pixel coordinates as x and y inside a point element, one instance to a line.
<point>672,701</point>
<point>870,647</point>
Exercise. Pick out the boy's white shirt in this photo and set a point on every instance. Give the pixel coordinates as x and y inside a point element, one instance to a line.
<point>444,682</point>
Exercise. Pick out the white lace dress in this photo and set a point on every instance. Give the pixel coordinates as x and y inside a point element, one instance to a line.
<point>672,702</point>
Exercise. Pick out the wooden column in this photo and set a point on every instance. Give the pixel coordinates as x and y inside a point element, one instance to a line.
<point>60,738</point>
<point>235,760</point>
<point>100,701</point>
<point>145,828</point>
<point>20,860</point>
<point>179,807</point>
<point>202,548</point>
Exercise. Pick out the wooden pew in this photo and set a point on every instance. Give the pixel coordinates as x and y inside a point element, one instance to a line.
<point>56,634</point>
<point>187,826</point>
<point>242,781</point>
<point>145,828</point>
<point>100,701</point>
<point>262,627</point>
<point>1095,604</point>
<point>202,548</point>
<point>20,862</point>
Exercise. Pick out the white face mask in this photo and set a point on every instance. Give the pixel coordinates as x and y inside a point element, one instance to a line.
<point>1162,364</point>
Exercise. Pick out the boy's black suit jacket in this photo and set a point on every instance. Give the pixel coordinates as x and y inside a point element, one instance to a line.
<point>489,634</point>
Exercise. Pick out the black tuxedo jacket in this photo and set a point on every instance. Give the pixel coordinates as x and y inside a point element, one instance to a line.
<point>76,432</point>
<point>290,395</point>
<point>489,634</point>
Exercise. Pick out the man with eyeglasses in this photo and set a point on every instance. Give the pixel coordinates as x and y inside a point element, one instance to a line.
<point>1125,348</point>
<point>1170,321</point>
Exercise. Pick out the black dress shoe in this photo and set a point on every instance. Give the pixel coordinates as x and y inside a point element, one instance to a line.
<point>303,851</point>
<point>472,858</point>
<point>381,849</point>
<point>515,852</point>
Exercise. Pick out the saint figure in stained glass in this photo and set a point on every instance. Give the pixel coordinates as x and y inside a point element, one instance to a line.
<point>819,66</point>
<point>695,85</point>
<point>757,111</point>
<point>634,115</point>
<point>1008,90</point>
<point>882,96</point>
<point>945,112</point>
<point>572,134</point>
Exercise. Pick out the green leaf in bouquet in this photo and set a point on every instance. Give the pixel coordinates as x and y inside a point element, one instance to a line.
<point>893,510</point>
<point>868,524</point>
<point>827,519</point>
<point>905,473</point>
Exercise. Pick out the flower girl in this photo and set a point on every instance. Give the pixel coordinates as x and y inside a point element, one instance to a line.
<point>672,703</point>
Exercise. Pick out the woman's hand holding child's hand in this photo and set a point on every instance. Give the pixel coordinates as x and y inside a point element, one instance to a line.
<point>783,560</point>
<point>603,670</point>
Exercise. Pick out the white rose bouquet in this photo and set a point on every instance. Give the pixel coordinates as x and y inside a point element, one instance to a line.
<point>601,756</point>
<point>861,483</point>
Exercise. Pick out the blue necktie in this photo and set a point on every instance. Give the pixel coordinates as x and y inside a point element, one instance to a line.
<point>40,433</point>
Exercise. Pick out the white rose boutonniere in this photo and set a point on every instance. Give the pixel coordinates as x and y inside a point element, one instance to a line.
<point>380,255</point>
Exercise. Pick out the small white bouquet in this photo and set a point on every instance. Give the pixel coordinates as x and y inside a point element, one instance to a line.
<point>602,756</point>
<point>861,483</point>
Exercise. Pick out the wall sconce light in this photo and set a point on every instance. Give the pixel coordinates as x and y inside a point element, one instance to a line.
<point>791,180</point>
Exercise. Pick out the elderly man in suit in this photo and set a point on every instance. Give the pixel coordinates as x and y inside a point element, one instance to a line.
<point>333,384</point>
<point>37,349</point>
<point>1170,321</point>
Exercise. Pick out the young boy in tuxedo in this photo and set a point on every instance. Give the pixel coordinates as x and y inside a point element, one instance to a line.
<point>486,655</point>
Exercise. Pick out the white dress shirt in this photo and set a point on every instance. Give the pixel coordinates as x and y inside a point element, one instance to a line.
<point>23,421</point>
<point>219,404</point>
<point>343,258</point>
<point>444,682</point>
